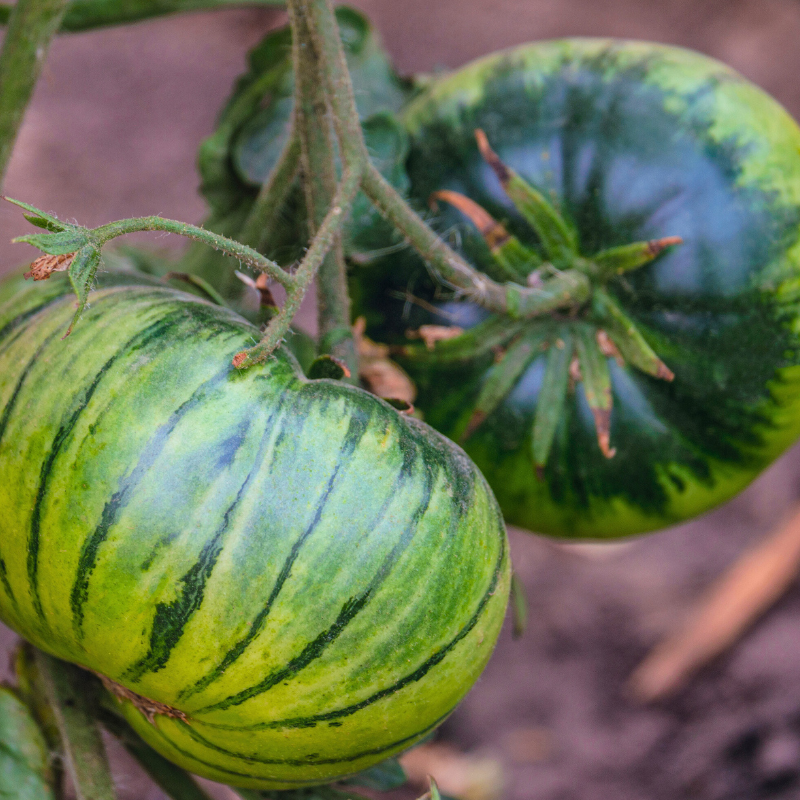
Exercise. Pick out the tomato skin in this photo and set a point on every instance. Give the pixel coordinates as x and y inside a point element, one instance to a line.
<point>631,141</point>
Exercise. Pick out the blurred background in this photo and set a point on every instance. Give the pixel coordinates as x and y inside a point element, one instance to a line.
<point>113,131</point>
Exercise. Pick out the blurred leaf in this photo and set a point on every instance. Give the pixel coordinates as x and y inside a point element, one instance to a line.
<point>254,125</point>
<point>387,775</point>
<point>83,15</point>
<point>24,773</point>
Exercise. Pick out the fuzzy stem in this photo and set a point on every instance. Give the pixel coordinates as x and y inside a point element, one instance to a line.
<point>566,289</point>
<point>32,25</point>
<point>247,255</point>
<point>328,44</point>
<point>264,216</point>
<point>278,326</point>
<point>67,692</point>
<point>319,180</point>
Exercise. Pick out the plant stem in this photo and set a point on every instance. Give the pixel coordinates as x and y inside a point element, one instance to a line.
<point>247,255</point>
<point>32,25</point>
<point>67,692</point>
<point>84,15</point>
<point>566,289</point>
<point>279,325</point>
<point>261,222</point>
<point>328,44</point>
<point>518,302</point>
<point>319,181</point>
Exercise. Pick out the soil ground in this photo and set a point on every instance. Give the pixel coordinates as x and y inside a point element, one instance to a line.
<point>113,132</point>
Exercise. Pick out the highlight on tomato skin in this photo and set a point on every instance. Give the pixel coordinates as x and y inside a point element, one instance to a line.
<point>674,184</point>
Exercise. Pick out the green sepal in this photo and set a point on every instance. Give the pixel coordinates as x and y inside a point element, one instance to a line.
<point>559,240</point>
<point>384,777</point>
<point>519,607</point>
<point>42,223</point>
<point>326,366</point>
<point>24,754</point>
<point>516,259</point>
<point>628,257</point>
<point>552,398</point>
<point>42,218</point>
<point>57,244</point>
<point>502,376</point>
<point>473,343</point>
<point>81,275</point>
<point>625,335</point>
<point>434,791</point>
<point>596,380</point>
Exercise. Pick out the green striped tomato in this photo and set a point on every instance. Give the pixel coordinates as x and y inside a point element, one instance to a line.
<point>630,142</point>
<point>294,579</point>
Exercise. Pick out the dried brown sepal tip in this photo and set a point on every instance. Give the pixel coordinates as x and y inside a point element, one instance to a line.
<point>44,266</point>
<point>431,334</point>
<point>608,348</point>
<point>491,158</point>
<point>149,708</point>
<point>657,246</point>
<point>261,285</point>
<point>493,232</point>
<point>602,423</point>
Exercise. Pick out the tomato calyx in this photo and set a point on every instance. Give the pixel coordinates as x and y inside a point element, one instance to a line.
<point>579,339</point>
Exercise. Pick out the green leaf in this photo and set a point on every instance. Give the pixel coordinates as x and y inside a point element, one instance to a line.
<point>254,124</point>
<point>57,244</point>
<point>502,376</point>
<point>552,397</point>
<point>81,275</point>
<point>24,755</point>
<point>387,775</point>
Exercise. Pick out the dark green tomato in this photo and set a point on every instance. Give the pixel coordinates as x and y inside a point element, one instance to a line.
<point>630,142</point>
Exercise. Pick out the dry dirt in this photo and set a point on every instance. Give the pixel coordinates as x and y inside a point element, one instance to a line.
<point>113,132</point>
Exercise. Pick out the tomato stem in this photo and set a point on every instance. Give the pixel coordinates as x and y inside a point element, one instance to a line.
<point>318,158</point>
<point>247,255</point>
<point>32,25</point>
